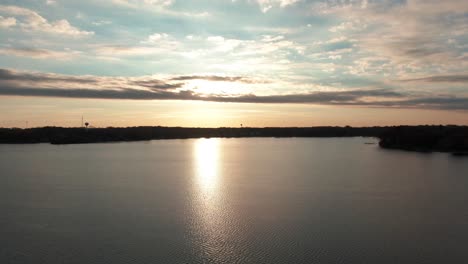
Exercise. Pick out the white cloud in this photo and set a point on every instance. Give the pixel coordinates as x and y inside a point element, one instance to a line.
<point>159,2</point>
<point>334,57</point>
<point>266,5</point>
<point>268,54</point>
<point>159,7</point>
<point>133,3</point>
<point>30,20</point>
<point>161,41</point>
<point>102,22</point>
<point>266,45</point>
<point>124,51</point>
<point>155,38</point>
<point>268,38</point>
<point>347,26</point>
<point>154,44</point>
<point>336,40</point>
<point>221,44</point>
<point>6,22</point>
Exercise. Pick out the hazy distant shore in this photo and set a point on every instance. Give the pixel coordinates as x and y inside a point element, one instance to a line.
<point>413,138</point>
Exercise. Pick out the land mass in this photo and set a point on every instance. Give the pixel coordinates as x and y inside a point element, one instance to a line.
<point>427,139</point>
<point>414,138</point>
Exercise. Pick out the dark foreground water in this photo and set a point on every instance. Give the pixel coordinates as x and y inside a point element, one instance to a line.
<point>231,201</point>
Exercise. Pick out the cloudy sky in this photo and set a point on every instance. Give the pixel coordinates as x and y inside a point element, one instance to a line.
<point>226,62</point>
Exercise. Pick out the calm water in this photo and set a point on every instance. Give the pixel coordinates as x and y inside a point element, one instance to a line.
<point>231,201</point>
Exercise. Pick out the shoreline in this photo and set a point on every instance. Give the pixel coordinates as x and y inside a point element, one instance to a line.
<point>451,138</point>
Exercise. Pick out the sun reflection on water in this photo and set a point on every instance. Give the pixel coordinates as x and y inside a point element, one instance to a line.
<point>207,159</point>
<point>210,228</point>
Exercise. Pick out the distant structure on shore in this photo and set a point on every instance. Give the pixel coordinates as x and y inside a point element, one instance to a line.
<point>83,123</point>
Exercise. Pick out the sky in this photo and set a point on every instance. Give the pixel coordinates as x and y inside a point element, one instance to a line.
<point>206,63</point>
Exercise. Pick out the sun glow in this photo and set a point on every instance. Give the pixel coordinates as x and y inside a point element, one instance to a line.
<point>218,87</point>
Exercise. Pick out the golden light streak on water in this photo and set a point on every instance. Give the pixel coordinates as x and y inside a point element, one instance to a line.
<point>210,227</point>
<point>207,167</point>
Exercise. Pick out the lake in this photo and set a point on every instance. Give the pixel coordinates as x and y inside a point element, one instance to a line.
<point>242,200</point>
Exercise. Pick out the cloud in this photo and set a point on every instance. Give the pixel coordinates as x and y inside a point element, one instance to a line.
<point>213,53</point>
<point>157,84</point>
<point>411,35</point>
<point>132,3</point>
<point>159,2</point>
<point>266,5</point>
<point>447,103</point>
<point>39,53</point>
<point>9,75</point>
<point>154,44</point>
<point>173,88</point>
<point>30,20</point>
<point>333,98</point>
<point>6,22</point>
<point>441,78</point>
<point>102,22</point>
<point>344,26</point>
<point>156,38</point>
<point>161,41</point>
<point>266,45</point>
<point>125,51</point>
<point>124,94</point>
<point>158,6</point>
<point>353,97</point>
<point>440,103</point>
<point>215,78</point>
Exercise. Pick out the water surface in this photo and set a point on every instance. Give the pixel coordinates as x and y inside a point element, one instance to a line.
<point>256,200</point>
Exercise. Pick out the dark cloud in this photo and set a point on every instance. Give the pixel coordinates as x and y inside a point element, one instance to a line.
<point>447,103</point>
<point>441,103</point>
<point>130,94</point>
<point>345,97</point>
<point>441,78</point>
<point>329,98</point>
<point>420,51</point>
<point>157,84</point>
<point>48,85</point>
<point>351,97</point>
<point>8,75</point>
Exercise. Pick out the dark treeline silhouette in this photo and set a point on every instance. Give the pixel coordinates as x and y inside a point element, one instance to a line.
<point>415,138</point>
<point>427,138</point>
<point>60,135</point>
